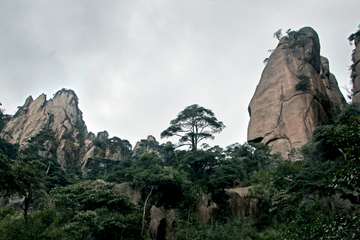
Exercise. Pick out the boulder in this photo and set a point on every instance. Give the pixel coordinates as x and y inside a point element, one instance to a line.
<point>241,203</point>
<point>296,94</point>
<point>161,222</point>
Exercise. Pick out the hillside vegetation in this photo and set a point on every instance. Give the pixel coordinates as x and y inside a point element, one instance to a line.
<point>313,197</point>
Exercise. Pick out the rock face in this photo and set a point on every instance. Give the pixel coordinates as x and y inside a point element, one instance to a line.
<point>62,118</point>
<point>355,74</point>
<point>149,145</point>
<point>296,94</point>
<point>161,222</point>
<point>101,147</point>
<point>242,204</point>
<point>60,114</point>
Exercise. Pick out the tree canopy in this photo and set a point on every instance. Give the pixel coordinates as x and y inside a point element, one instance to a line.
<point>193,125</point>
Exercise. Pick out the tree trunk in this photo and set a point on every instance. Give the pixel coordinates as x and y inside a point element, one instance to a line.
<point>28,198</point>
<point>143,220</point>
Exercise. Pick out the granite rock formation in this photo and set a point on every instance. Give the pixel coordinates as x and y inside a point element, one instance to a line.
<point>296,94</point>
<point>149,145</point>
<point>355,68</point>
<point>62,117</point>
<point>60,114</point>
<point>242,204</point>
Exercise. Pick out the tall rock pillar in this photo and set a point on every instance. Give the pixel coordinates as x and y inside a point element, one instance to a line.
<point>355,68</point>
<point>296,94</point>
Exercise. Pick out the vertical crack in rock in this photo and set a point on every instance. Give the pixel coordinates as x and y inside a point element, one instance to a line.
<point>283,116</point>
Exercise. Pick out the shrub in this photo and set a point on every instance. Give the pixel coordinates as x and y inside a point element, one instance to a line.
<point>303,84</point>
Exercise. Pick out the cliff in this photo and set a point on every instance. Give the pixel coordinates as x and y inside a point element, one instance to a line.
<point>57,125</point>
<point>355,68</point>
<point>60,114</point>
<point>296,94</point>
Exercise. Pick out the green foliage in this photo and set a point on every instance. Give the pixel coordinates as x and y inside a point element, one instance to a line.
<point>354,35</point>
<point>304,83</point>
<point>89,195</point>
<point>4,118</point>
<point>233,229</point>
<point>330,167</point>
<point>19,177</point>
<point>294,39</point>
<point>317,222</point>
<point>111,170</point>
<point>166,184</point>
<point>289,195</point>
<point>270,186</point>
<point>120,172</point>
<point>10,150</point>
<point>114,145</point>
<point>95,210</point>
<point>147,145</point>
<point>55,223</point>
<point>46,142</point>
<point>193,125</point>
<point>278,35</point>
<point>266,60</point>
<point>8,185</point>
<point>197,164</point>
<point>338,148</point>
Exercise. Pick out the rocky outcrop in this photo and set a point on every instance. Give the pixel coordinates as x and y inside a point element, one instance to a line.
<point>66,136</point>
<point>149,145</point>
<point>241,203</point>
<point>101,147</point>
<point>131,190</point>
<point>60,114</point>
<point>161,222</point>
<point>355,68</point>
<point>296,94</point>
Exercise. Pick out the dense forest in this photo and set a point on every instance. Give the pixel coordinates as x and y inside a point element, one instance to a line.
<point>311,195</point>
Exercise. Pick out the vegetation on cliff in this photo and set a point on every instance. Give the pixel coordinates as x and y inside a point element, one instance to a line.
<point>307,199</point>
<point>101,188</point>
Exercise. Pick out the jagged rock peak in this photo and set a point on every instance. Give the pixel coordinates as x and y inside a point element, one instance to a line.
<point>296,94</point>
<point>148,145</point>
<point>60,114</point>
<point>151,138</point>
<point>102,136</point>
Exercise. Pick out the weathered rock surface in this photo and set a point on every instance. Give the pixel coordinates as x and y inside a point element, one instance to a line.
<point>241,203</point>
<point>356,70</point>
<point>161,222</point>
<point>296,94</point>
<point>63,117</point>
<point>131,190</point>
<point>61,114</point>
<point>149,145</point>
<point>101,147</point>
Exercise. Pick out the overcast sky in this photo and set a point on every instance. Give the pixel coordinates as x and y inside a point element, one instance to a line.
<point>136,64</point>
